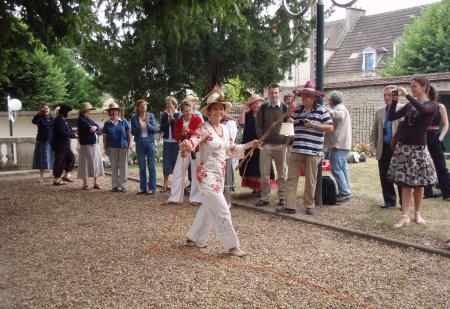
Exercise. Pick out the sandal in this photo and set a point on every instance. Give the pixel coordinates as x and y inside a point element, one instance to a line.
<point>418,219</point>
<point>86,188</point>
<point>197,244</point>
<point>237,252</point>
<point>402,222</point>
<point>164,189</point>
<point>67,179</point>
<point>96,187</point>
<point>58,183</point>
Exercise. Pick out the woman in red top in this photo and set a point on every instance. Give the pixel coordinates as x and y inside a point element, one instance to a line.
<point>411,164</point>
<point>185,127</point>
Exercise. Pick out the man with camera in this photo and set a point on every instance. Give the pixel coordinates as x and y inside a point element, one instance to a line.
<point>381,137</point>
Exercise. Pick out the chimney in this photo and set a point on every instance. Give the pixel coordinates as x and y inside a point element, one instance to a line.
<point>351,17</point>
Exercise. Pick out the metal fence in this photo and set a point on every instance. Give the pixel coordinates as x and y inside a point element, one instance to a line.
<point>362,118</point>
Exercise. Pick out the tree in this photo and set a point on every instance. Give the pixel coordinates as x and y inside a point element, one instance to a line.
<point>425,45</point>
<point>167,47</point>
<point>36,79</point>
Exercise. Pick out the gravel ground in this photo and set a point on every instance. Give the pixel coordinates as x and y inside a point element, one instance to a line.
<point>63,247</point>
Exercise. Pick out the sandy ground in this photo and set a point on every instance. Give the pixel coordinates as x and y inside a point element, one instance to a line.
<point>64,247</point>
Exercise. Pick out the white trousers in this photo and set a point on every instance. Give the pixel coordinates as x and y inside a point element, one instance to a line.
<point>179,173</point>
<point>214,212</point>
<point>119,167</point>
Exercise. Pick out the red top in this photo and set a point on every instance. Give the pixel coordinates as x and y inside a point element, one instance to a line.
<point>195,122</point>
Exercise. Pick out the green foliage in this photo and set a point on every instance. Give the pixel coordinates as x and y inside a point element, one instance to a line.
<point>425,45</point>
<point>167,47</point>
<point>235,90</point>
<point>36,78</point>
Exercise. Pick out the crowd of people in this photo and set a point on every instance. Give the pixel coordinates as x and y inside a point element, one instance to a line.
<point>407,141</point>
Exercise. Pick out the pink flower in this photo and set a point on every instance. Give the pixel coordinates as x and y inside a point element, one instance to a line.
<point>217,187</point>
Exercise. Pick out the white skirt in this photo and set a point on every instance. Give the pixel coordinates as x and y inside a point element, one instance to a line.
<point>90,162</point>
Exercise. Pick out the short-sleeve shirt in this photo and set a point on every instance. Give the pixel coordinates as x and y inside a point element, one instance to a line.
<point>117,133</point>
<point>309,140</point>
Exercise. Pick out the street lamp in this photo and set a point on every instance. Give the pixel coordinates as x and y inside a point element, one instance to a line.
<point>319,59</point>
<point>13,106</point>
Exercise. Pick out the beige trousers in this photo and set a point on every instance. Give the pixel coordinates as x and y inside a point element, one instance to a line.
<point>311,162</point>
<point>278,154</point>
<point>119,167</point>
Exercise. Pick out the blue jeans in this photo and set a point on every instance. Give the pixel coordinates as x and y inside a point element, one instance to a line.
<point>145,151</point>
<point>339,169</point>
<point>170,154</point>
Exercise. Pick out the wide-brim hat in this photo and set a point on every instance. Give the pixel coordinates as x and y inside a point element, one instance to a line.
<point>216,96</point>
<point>254,97</point>
<point>86,106</point>
<point>113,105</point>
<point>308,90</point>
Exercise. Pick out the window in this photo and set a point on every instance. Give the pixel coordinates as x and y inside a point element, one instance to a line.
<point>369,59</point>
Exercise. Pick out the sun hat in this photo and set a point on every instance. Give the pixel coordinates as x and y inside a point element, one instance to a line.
<point>86,106</point>
<point>112,105</point>
<point>308,90</point>
<point>216,96</point>
<point>253,98</point>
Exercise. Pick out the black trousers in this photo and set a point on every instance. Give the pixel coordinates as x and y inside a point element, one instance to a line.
<point>437,150</point>
<point>387,187</point>
<point>64,161</point>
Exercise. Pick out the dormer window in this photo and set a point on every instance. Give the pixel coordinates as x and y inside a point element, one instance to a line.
<point>369,59</point>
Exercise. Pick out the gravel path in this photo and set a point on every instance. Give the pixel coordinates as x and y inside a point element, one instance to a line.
<point>63,247</point>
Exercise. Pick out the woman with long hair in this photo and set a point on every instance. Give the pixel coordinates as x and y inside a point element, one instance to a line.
<point>143,128</point>
<point>43,156</point>
<point>90,162</point>
<point>411,164</point>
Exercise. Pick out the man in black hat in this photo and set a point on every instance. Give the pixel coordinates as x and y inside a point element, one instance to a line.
<point>64,157</point>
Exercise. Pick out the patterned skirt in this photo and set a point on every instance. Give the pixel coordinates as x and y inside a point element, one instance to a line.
<point>43,156</point>
<point>411,165</point>
<point>90,162</point>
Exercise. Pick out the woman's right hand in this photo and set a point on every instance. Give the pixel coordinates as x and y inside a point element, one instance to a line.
<point>107,151</point>
<point>402,91</point>
<point>93,129</point>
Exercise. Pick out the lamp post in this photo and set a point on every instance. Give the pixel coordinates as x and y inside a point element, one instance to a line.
<point>319,60</point>
<point>13,106</point>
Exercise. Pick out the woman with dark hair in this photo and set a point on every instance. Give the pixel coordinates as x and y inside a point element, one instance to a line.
<point>411,164</point>
<point>435,138</point>
<point>43,156</point>
<point>143,128</point>
<point>90,162</point>
<point>64,157</point>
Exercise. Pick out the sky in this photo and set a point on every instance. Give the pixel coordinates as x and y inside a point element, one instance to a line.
<point>376,6</point>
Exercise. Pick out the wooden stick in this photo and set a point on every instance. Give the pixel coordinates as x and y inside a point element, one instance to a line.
<point>263,138</point>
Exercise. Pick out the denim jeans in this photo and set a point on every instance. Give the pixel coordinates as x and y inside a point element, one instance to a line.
<point>145,150</point>
<point>339,169</point>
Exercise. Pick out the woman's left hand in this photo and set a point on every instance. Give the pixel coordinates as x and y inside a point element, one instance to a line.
<point>93,129</point>
<point>253,144</point>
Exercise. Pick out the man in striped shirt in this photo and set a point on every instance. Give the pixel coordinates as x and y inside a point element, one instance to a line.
<point>311,120</point>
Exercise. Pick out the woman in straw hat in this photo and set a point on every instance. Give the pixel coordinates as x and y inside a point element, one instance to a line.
<point>116,142</point>
<point>249,171</point>
<point>215,145</point>
<point>90,162</point>
<point>143,128</point>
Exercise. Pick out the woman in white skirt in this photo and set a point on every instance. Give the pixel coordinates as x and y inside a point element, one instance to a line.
<point>89,157</point>
<point>215,144</point>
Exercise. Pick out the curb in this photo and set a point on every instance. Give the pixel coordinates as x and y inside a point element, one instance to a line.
<point>18,173</point>
<point>391,241</point>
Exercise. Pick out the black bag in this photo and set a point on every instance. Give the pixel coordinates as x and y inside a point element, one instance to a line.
<point>329,191</point>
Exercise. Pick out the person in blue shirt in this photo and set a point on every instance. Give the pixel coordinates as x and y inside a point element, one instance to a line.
<point>90,163</point>
<point>170,145</point>
<point>43,154</point>
<point>116,142</point>
<point>143,128</point>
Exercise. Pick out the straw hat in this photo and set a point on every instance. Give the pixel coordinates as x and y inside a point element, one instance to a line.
<point>113,105</point>
<point>86,106</point>
<point>254,97</point>
<point>216,96</point>
<point>308,90</point>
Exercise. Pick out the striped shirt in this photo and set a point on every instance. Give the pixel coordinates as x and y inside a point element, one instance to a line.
<point>308,140</point>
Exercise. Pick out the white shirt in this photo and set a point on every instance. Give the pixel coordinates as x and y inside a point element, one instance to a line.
<point>144,130</point>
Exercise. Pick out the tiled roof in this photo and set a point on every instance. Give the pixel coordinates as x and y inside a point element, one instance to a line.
<point>376,31</point>
<point>334,30</point>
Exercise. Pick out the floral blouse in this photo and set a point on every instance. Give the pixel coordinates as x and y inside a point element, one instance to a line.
<point>213,152</point>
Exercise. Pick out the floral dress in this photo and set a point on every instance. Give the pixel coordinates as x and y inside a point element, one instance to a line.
<point>214,150</point>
